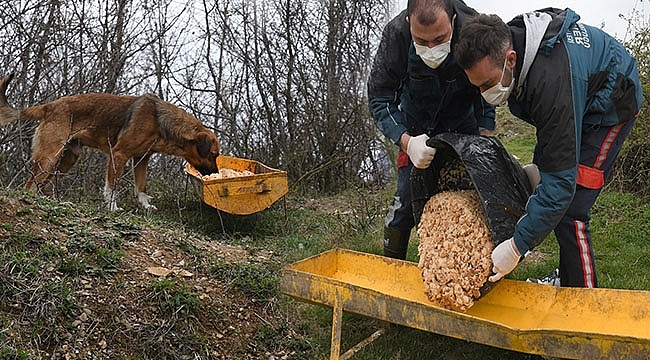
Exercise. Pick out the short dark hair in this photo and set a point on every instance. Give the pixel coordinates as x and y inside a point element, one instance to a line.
<point>426,11</point>
<point>482,35</point>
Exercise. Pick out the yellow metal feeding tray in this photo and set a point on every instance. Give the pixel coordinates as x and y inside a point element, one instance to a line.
<point>240,195</point>
<point>573,323</point>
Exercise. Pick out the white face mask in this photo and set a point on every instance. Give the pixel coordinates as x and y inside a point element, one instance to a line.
<point>498,94</point>
<point>434,56</point>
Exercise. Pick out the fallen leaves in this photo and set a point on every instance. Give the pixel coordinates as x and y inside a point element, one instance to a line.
<point>164,272</point>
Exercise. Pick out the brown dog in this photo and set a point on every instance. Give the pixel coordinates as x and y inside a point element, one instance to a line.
<point>124,127</point>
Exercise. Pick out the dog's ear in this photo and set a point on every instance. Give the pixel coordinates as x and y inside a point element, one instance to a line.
<point>203,144</point>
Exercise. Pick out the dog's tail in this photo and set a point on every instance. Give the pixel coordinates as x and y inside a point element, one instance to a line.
<point>7,113</point>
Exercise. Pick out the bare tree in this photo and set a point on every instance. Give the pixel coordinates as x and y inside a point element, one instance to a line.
<point>281,82</point>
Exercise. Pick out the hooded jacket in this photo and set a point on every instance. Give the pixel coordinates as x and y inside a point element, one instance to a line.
<point>405,95</point>
<point>568,77</point>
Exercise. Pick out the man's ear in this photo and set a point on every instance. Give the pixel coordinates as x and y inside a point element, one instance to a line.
<point>511,55</point>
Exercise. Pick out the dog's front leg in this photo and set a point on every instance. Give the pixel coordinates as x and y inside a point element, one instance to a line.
<point>114,170</point>
<point>140,174</point>
<point>110,196</point>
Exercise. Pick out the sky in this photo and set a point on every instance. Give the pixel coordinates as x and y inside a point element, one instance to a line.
<point>594,13</point>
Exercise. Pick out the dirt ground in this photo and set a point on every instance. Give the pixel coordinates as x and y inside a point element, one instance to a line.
<point>161,300</point>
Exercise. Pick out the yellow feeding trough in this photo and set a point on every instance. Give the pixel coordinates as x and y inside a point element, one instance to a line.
<point>573,323</point>
<point>254,188</point>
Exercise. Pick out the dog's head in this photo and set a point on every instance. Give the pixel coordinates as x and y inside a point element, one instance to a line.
<point>200,146</point>
<point>205,152</point>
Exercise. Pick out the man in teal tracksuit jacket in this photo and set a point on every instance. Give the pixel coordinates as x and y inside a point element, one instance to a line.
<point>580,88</point>
<point>413,97</point>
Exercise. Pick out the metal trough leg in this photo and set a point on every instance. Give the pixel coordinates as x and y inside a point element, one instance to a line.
<point>348,354</point>
<point>337,321</point>
<point>337,325</point>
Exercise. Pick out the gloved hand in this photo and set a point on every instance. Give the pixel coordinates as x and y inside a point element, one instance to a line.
<point>505,258</point>
<point>421,155</point>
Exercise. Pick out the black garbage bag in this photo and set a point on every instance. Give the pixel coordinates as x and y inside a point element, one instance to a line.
<point>465,162</point>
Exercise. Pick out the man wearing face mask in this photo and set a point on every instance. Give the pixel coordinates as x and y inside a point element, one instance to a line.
<point>416,90</point>
<point>580,88</point>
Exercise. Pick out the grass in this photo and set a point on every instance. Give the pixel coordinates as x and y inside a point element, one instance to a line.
<point>517,136</point>
<point>44,267</point>
<point>173,299</point>
<point>257,282</point>
<point>308,231</point>
<point>620,228</point>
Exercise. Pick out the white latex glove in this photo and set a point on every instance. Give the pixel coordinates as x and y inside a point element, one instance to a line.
<point>420,154</point>
<point>505,258</point>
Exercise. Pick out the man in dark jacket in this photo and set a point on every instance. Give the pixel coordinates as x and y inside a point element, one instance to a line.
<point>580,88</point>
<point>417,90</point>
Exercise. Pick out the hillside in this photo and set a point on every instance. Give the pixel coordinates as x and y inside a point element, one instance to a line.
<point>77,283</point>
<point>187,282</point>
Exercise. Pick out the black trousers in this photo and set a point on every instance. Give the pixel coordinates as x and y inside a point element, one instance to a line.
<point>598,151</point>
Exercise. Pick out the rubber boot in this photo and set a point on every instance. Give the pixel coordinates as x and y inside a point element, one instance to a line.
<point>396,243</point>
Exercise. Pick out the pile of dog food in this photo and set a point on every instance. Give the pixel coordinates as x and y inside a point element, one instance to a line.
<point>226,173</point>
<point>455,248</point>
<point>453,176</point>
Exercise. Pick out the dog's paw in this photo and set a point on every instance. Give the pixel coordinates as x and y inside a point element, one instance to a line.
<point>143,199</point>
<point>112,206</point>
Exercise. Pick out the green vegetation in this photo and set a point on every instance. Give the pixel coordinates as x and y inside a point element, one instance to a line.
<point>174,299</point>
<point>78,280</point>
